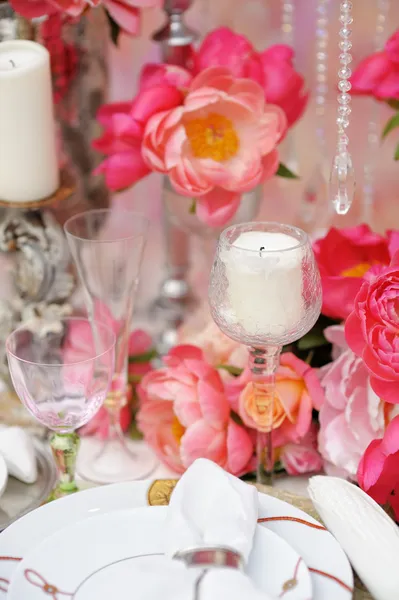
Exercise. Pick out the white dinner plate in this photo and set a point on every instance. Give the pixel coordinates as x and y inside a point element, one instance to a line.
<point>3,475</point>
<point>330,570</point>
<point>105,556</point>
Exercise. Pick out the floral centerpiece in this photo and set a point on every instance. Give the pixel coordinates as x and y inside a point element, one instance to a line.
<point>213,130</point>
<point>337,394</point>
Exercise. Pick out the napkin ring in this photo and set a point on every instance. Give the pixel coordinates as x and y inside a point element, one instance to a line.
<point>211,557</point>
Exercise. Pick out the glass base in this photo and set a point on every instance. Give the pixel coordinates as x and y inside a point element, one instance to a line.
<point>111,461</point>
<point>60,491</point>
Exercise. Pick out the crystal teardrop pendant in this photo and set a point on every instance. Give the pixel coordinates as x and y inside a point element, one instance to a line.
<point>342,182</point>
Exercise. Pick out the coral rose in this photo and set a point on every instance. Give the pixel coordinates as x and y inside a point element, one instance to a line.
<point>352,414</point>
<point>185,414</point>
<point>372,330</point>
<point>298,391</point>
<point>220,143</point>
<point>344,256</point>
<point>378,473</point>
<point>378,74</point>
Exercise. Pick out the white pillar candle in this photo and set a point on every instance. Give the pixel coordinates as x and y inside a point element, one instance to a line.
<point>28,158</point>
<point>264,283</point>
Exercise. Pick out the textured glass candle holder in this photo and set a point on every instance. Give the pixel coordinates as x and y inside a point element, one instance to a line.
<point>264,292</point>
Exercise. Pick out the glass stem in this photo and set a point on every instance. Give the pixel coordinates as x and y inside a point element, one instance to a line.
<point>65,447</point>
<point>264,363</point>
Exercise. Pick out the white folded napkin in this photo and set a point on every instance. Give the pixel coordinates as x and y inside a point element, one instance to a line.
<point>366,533</point>
<point>18,451</point>
<point>208,508</point>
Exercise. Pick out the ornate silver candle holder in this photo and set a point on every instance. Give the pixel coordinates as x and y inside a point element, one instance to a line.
<point>41,275</point>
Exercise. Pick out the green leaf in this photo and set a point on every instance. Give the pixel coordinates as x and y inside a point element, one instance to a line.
<point>236,371</point>
<point>145,357</point>
<point>393,123</point>
<point>193,208</point>
<point>396,156</point>
<point>393,104</point>
<point>284,171</point>
<point>313,339</point>
<point>114,29</point>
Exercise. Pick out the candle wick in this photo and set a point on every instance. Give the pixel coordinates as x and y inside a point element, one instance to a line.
<point>260,250</point>
<point>12,63</point>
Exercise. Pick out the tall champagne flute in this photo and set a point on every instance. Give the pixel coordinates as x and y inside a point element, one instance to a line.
<point>62,372</point>
<point>264,292</point>
<point>107,247</point>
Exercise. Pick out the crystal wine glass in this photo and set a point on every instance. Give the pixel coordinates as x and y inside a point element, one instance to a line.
<point>62,372</point>
<point>107,247</point>
<point>264,292</point>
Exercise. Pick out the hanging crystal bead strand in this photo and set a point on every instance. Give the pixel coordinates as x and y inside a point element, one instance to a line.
<point>373,137</point>
<point>287,22</point>
<point>287,37</point>
<point>314,197</point>
<point>342,180</point>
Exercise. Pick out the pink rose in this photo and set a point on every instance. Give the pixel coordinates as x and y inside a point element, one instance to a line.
<point>352,415</point>
<point>124,128</point>
<point>372,330</point>
<point>378,473</point>
<point>344,256</point>
<point>185,414</point>
<point>219,143</point>
<point>303,457</point>
<point>282,84</point>
<point>224,48</point>
<point>378,74</point>
<point>298,391</point>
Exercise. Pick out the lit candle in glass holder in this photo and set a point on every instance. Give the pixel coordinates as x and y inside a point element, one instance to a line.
<point>264,292</point>
<point>265,282</point>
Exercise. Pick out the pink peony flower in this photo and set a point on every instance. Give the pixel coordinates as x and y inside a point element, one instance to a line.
<point>273,68</point>
<point>298,391</point>
<point>140,346</point>
<point>126,13</point>
<point>303,457</point>
<point>372,330</point>
<point>224,48</point>
<point>124,128</point>
<point>185,414</point>
<point>378,74</point>
<point>344,256</point>
<point>219,143</point>
<point>283,86</point>
<point>352,414</point>
<point>378,473</point>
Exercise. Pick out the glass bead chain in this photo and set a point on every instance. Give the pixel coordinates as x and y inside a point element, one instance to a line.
<point>314,196</point>
<point>342,180</point>
<point>287,22</point>
<point>373,138</point>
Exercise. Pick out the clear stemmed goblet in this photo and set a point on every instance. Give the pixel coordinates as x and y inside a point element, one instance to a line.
<point>62,373</point>
<point>107,247</point>
<point>264,292</point>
